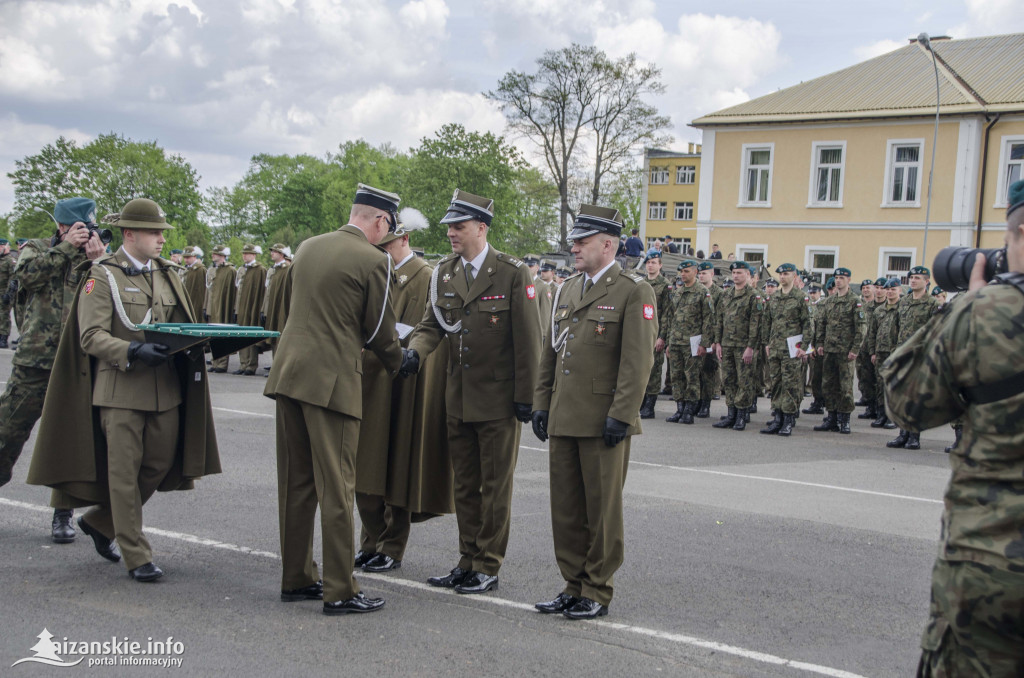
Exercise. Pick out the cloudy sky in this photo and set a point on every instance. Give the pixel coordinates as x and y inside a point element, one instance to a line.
<point>220,80</point>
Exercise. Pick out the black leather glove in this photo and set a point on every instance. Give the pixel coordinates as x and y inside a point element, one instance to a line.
<point>614,431</point>
<point>410,362</point>
<point>148,354</point>
<point>540,424</point>
<point>523,411</point>
<point>263,319</point>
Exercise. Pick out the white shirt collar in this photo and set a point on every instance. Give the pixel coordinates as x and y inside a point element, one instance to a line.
<point>136,263</point>
<point>600,273</point>
<point>478,260</point>
<point>404,261</point>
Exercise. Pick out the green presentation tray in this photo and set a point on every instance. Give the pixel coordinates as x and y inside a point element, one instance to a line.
<point>223,339</point>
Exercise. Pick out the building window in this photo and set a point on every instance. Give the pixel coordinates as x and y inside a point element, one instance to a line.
<point>827,174</point>
<point>659,175</point>
<point>656,211</point>
<point>1011,164</point>
<point>903,173</point>
<point>754,254</point>
<point>684,211</point>
<point>821,260</point>
<point>896,263</point>
<point>686,174</point>
<point>756,190</point>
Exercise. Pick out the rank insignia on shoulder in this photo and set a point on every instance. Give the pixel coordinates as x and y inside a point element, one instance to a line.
<point>648,311</point>
<point>531,292</point>
<point>91,283</point>
<point>635,277</point>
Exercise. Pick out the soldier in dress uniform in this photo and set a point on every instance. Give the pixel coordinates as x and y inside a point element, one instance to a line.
<point>125,399</point>
<point>882,341</point>
<point>662,293</point>
<point>737,333</point>
<point>710,375</point>
<point>340,285</point>
<point>274,311</point>
<point>220,296</point>
<point>787,317</point>
<point>838,336</point>
<point>532,262</point>
<point>485,302</point>
<point>545,289</point>
<point>597,355</point>
<point>687,319</point>
<point>250,286</point>
<point>561,275</point>
<point>7,263</point>
<point>195,279</point>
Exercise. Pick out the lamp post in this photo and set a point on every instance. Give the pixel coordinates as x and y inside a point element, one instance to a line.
<point>924,40</point>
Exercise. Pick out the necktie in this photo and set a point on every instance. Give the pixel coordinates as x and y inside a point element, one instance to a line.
<point>469,274</point>
<point>587,285</point>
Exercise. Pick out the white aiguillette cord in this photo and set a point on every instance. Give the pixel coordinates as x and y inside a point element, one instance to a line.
<point>384,307</point>
<point>119,305</point>
<point>457,327</point>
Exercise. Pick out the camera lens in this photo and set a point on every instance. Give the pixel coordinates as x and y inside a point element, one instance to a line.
<point>953,266</point>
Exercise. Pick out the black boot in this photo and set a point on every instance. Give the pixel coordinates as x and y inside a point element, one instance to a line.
<point>829,423</point>
<point>3,341</point>
<point>674,419</point>
<point>647,407</point>
<point>728,420</point>
<point>870,412</point>
<point>61,530</point>
<point>705,409</point>
<point>788,422</point>
<point>882,419</point>
<point>688,408</point>
<point>959,432</point>
<point>815,408</point>
<point>913,441</point>
<point>753,408</point>
<point>774,425</point>
<point>742,417</point>
<point>844,422</point>
<point>862,402</point>
<point>900,440</point>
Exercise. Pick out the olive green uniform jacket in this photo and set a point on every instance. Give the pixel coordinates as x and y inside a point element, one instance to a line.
<point>275,300</point>
<point>195,287</point>
<point>251,286</point>
<point>220,293</point>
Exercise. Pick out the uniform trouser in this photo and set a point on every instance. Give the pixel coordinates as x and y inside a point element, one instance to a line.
<point>804,367</point>
<point>316,465</point>
<point>866,376</point>
<point>586,512</point>
<point>762,377</point>
<point>654,382</point>
<point>974,626</point>
<point>484,455</point>
<point>709,376</point>
<point>685,372</point>
<point>140,451</point>
<point>5,319</point>
<point>385,528</point>
<point>738,377</point>
<point>816,362</point>
<point>220,363</point>
<point>249,358</point>
<point>20,407</point>
<point>880,359</point>
<point>787,383</point>
<point>837,382</point>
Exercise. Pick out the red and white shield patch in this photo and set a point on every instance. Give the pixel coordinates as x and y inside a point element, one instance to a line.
<point>89,285</point>
<point>648,312</point>
<point>531,292</point>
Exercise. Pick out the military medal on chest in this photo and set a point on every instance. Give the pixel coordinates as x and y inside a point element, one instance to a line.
<point>600,329</point>
<point>494,321</point>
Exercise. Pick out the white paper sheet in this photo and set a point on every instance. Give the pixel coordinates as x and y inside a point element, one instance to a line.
<point>695,344</point>
<point>794,343</point>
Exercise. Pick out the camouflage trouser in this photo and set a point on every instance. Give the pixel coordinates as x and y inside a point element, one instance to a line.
<point>709,376</point>
<point>866,376</point>
<point>804,366</point>
<point>685,373</point>
<point>20,407</point>
<point>764,375</point>
<point>787,388</point>
<point>815,363</point>
<point>654,382</point>
<point>880,358</point>
<point>738,377</point>
<point>837,382</point>
<point>5,319</point>
<point>974,625</point>
<point>668,371</point>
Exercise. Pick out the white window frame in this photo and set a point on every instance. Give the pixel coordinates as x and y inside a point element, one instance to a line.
<point>744,248</point>
<point>745,167</point>
<point>1004,163</point>
<point>883,256</point>
<point>659,205</point>
<point>812,191</point>
<point>676,207</point>
<point>679,175</point>
<point>890,158</point>
<point>662,171</point>
<point>811,250</point>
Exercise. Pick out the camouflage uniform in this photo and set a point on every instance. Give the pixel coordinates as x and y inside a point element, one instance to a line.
<point>839,329</point>
<point>913,314</point>
<point>710,376</point>
<point>662,296</point>
<point>814,361</point>
<point>880,341</point>
<point>7,264</point>
<point>866,382</point>
<point>787,316</point>
<point>953,368</point>
<point>690,313</point>
<point>738,325</point>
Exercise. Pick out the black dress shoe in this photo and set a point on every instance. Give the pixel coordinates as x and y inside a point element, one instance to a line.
<point>314,591</point>
<point>477,582</point>
<point>585,608</point>
<point>238,372</point>
<point>146,573</point>
<point>363,557</point>
<point>561,603</point>
<point>217,369</point>
<point>354,605</point>
<point>105,547</point>
<point>247,373</point>
<point>451,580</point>
<point>381,563</point>
<point>61,531</point>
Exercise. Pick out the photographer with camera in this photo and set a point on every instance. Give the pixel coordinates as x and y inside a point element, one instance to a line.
<point>968,361</point>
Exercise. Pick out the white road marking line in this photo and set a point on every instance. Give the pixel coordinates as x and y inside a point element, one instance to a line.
<point>251,414</point>
<point>501,602</point>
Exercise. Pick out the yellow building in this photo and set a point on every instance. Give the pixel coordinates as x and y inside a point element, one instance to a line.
<point>670,186</point>
<point>834,171</point>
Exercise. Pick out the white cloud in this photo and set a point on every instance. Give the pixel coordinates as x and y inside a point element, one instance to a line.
<point>989,17</point>
<point>19,139</point>
<point>865,52</point>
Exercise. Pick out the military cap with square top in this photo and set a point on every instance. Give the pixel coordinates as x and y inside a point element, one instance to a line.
<point>547,265</point>
<point>531,260</point>
<point>382,200</point>
<point>592,219</point>
<point>466,206</point>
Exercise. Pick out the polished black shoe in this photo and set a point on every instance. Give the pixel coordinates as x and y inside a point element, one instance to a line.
<point>314,591</point>
<point>870,412</point>
<point>238,372</point>
<point>3,341</point>
<point>561,603</point>
<point>585,608</point>
<point>477,582</point>
<point>105,547</point>
<point>217,369</point>
<point>363,557</point>
<point>728,420</point>
<point>357,604</point>
<point>248,373</point>
<point>774,425</point>
<point>881,421</point>
<point>146,573</point>
<point>688,409</point>
<point>381,563</point>
<point>829,423</point>
<point>451,580</point>
<point>61,531</point>
<point>752,409</point>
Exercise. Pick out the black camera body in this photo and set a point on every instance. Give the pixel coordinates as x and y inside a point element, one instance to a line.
<point>105,234</point>
<point>952,267</point>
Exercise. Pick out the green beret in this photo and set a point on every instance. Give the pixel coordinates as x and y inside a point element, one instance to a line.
<point>4,241</point>
<point>879,282</point>
<point>1015,197</point>
<point>176,252</point>
<point>739,264</point>
<point>936,291</point>
<point>785,268</point>
<point>686,263</point>
<point>868,281</point>
<point>921,270</point>
<point>22,241</point>
<point>891,283</point>
<point>843,271</point>
<point>652,254</point>
<point>705,266</point>
<point>830,284</point>
<point>72,210</point>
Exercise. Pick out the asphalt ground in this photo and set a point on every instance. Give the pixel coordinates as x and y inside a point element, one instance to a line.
<point>746,555</point>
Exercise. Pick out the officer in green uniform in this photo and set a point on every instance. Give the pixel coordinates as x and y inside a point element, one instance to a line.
<point>838,335</point>
<point>274,311</point>
<point>865,370</point>
<point>737,334</point>
<point>220,296</point>
<point>788,323</point>
<point>968,362</point>
<point>817,405</point>
<point>545,289</point>
<point>194,279</point>
<point>914,311</point>
<point>339,305</point>
<point>48,280</point>
<point>596,359</point>
<point>250,288</point>
<point>7,264</point>
<point>881,342</point>
<point>688,326</point>
<point>710,374</point>
<point>485,303</point>
<point>662,294</point>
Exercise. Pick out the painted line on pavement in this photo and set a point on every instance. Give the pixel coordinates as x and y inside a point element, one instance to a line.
<point>501,602</point>
<point>251,414</point>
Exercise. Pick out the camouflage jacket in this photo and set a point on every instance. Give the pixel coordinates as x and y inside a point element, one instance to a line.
<point>953,368</point>
<point>869,312</point>
<point>7,264</point>
<point>813,308</point>
<point>690,312</point>
<point>881,334</point>
<point>787,316</point>
<point>662,297</point>
<point>839,325</point>
<point>913,314</point>
<point>738,318</point>
<point>716,297</point>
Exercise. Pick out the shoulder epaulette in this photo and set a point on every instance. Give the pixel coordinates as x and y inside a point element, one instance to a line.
<point>508,259</point>
<point>634,277</point>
